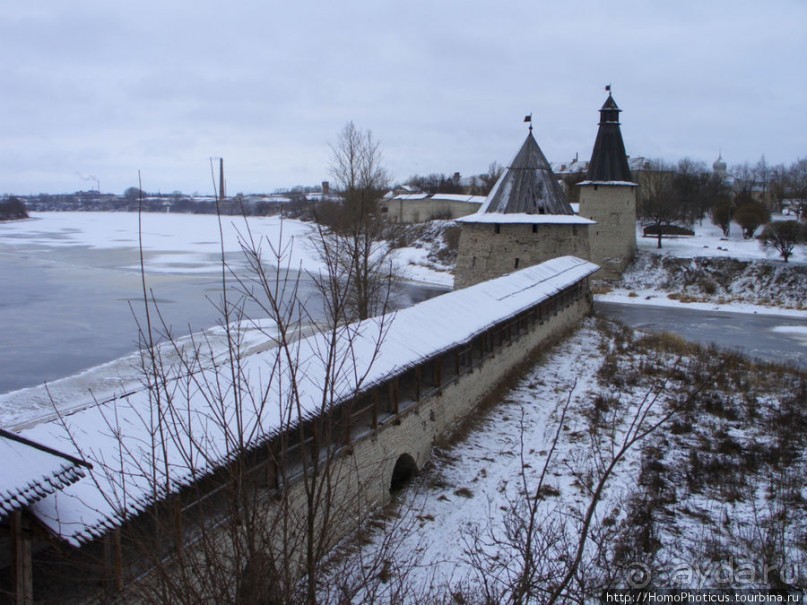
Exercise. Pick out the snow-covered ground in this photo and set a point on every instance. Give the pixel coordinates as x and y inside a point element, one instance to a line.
<point>645,283</point>
<point>692,505</point>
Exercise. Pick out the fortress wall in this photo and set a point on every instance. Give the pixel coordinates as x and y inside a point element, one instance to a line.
<point>489,250</point>
<point>613,238</point>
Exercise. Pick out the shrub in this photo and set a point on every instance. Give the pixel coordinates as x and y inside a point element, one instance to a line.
<point>749,216</point>
<point>783,236</point>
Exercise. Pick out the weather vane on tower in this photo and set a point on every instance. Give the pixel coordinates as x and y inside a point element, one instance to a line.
<point>528,118</point>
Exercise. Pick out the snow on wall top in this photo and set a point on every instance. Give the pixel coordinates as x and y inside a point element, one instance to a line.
<point>523,218</point>
<point>31,472</point>
<point>120,441</point>
<point>448,197</point>
<point>459,197</point>
<point>608,183</point>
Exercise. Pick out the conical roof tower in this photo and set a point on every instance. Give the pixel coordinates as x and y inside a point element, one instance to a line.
<point>524,221</point>
<point>609,162</point>
<point>528,186</point>
<point>609,196</point>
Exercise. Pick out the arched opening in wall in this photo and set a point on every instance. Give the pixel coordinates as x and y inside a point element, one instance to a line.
<point>405,469</point>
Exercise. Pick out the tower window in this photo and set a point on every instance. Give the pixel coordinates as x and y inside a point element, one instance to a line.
<point>534,228</point>
<point>497,228</point>
<point>515,265</point>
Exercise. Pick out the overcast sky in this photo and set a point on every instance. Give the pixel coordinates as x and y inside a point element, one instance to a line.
<point>94,90</point>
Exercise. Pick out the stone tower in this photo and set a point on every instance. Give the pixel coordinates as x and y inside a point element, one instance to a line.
<point>608,196</point>
<point>525,220</point>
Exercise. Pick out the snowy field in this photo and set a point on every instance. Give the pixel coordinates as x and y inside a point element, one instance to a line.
<point>710,241</point>
<point>707,242</point>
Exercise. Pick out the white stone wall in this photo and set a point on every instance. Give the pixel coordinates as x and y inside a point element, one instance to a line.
<point>489,250</point>
<point>613,238</point>
<point>419,211</point>
<point>361,475</point>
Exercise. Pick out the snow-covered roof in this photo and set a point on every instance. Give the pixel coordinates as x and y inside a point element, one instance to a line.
<point>521,218</point>
<point>574,166</point>
<point>119,440</point>
<point>460,197</point>
<point>449,197</point>
<point>411,196</point>
<point>609,183</point>
<point>32,471</point>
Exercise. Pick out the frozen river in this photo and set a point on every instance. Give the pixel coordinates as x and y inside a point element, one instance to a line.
<point>70,284</point>
<point>766,337</point>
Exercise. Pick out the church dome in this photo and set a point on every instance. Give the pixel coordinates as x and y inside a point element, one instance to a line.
<point>719,166</point>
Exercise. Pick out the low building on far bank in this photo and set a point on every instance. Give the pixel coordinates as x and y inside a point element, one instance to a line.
<point>422,207</point>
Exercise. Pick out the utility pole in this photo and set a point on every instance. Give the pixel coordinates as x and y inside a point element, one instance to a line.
<point>221,179</point>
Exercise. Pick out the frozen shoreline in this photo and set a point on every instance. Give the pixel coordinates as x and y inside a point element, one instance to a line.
<point>656,298</point>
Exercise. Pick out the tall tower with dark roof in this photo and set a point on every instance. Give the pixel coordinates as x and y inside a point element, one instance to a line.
<point>608,197</point>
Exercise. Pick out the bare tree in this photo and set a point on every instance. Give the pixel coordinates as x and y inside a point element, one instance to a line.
<point>745,179</point>
<point>690,185</point>
<point>354,245</point>
<point>544,552</point>
<point>749,215</point>
<point>489,179</point>
<point>660,207</point>
<point>246,473</point>
<point>762,176</point>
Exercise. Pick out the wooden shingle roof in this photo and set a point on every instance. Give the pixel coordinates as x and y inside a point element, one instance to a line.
<point>528,186</point>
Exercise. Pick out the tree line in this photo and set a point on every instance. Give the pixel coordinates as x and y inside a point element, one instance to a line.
<point>673,197</point>
<point>12,208</point>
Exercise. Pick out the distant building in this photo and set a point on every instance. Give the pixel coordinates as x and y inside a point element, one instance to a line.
<point>419,207</point>
<point>719,167</point>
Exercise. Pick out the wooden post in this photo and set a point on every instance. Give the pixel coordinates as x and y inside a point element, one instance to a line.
<point>113,560</point>
<point>375,410</point>
<point>393,395</point>
<point>347,410</point>
<point>271,467</point>
<point>417,383</point>
<point>22,568</point>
